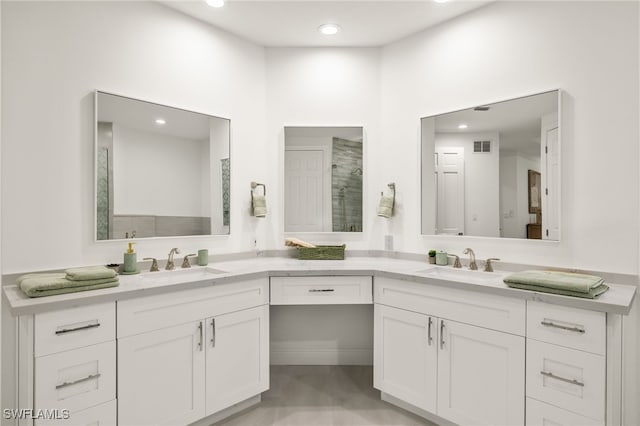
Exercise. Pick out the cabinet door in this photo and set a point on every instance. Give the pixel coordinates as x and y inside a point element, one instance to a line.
<point>237,357</point>
<point>161,376</point>
<point>405,356</point>
<point>480,375</point>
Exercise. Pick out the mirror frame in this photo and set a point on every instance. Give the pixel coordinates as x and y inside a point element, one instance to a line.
<point>96,92</point>
<point>560,184</point>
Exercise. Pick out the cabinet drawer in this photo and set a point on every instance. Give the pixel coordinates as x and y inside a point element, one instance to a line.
<point>321,290</point>
<point>567,378</point>
<point>144,314</point>
<point>100,415</point>
<point>485,310</point>
<point>66,329</point>
<point>76,379</point>
<point>542,414</point>
<point>574,328</point>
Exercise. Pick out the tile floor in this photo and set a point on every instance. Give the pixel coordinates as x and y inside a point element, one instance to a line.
<point>323,396</point>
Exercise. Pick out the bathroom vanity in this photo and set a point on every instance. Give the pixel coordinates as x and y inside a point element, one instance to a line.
<point>192,346</point>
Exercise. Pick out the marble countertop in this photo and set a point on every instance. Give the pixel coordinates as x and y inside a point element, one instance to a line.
<point>617,300</point>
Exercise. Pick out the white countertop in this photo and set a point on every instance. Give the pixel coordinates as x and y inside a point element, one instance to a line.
<point>617,300</point>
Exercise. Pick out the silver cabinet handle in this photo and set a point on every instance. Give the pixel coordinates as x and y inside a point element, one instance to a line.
<point>321,290</point>
<point>71,330</point>
<point>429,338</point>
<point>200,329</point>
<point>563,327</point>
<point>562,379</point>
<point>75,382</point>
<point>441,334</point>
<point>213,332</point>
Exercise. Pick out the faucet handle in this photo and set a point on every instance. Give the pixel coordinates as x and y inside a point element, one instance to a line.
<point>154,264</point>
<point>487,265</point>
<point>456,262</point>
<point>185,261</point>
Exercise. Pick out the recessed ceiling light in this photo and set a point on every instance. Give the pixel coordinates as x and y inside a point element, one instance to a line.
<point>215,3</point>
<point>329,29</point>
<point>161,121</point>
<point>462,126</point>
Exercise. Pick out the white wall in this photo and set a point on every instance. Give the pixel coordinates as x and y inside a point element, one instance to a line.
<point>481,182</point>
<point>322,87</point>
<point>157,174</point>
<point>514,193</point>
<point>55,54</point>
<point>509,49</point>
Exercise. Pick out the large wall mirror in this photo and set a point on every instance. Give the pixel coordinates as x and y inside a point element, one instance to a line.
<point>160,171</point>
<point>323,179</point>
<point>493,170</point>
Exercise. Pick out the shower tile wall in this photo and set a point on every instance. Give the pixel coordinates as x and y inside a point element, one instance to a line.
<point>346,174</point>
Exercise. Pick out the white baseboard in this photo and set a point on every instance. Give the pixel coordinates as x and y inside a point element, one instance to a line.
<point>227,412</point>
<point>320,356</point>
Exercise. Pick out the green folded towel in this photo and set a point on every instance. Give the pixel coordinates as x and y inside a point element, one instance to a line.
<point>49,284</point>
<point>90,273</point>
<point>566,281</point>
<point>592,294</point>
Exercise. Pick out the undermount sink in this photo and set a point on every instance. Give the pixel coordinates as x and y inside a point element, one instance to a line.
<point>466,275</point>
<point>185,275</point>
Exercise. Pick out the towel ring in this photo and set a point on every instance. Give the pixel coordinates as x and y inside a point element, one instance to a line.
<point>254,185</point>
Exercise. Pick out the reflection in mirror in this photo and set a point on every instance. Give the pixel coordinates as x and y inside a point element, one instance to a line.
<point>323,179</point>
<point>160,171</point>
<point>476,165</point>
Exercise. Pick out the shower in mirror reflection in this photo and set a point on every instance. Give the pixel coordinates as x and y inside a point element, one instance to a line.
<point>475,165</point>
<point>323,179</point>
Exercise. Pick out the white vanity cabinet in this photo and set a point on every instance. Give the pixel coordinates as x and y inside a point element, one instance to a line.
<point>186,355</point>
<point>445,364</point>
<point>566,365</point>
<point>67,361</point>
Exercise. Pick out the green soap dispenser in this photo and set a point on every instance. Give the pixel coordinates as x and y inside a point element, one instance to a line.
<point>130,261</point>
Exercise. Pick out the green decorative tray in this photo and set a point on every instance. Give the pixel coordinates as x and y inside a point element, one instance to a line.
<point>322,253</point>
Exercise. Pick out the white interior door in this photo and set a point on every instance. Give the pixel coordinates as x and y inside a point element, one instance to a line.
<point>449,174</point>
<point>480,375</point>
<point>405,356</point>
<point>304,190</point>
<point>550,177</point>
<point>237,357</point>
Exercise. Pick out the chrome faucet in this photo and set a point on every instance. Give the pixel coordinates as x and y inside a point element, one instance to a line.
<point>170,264</point>
<point>472,259</point>
<point>487,265</point>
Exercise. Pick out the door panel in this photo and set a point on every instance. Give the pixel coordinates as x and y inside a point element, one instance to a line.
<point>237,357</point>
<point>449,170</point>
<point>405,358</point>
<point>304,190</point>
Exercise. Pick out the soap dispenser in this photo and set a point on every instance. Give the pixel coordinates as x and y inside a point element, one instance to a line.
<point>130,261</point>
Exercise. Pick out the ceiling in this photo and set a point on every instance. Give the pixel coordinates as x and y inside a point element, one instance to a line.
<point>292,23</point>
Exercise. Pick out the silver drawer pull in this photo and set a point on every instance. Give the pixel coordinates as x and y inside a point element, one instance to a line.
<point>562,379</point>
<point>321,290</point>
<point>75,382</point>
<point>562,327</point>
<point>71,330</point>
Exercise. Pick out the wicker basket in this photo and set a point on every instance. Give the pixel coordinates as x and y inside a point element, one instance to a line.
<point>322,253</point>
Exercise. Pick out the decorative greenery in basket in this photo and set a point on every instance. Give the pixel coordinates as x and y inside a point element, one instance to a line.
<point>322,253</point>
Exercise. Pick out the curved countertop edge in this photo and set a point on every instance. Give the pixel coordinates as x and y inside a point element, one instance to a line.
<point>617,300</point>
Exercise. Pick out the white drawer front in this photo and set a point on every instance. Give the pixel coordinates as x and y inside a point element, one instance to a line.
<point>542,414</point>
<point>76,379</point>
<point>321,290</point>
<point>574,328</point>
<point>100,415</point>
<point>144,314</point>
<point>485,310</point>
<point>567,378</point>
<point>71,328</point>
